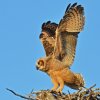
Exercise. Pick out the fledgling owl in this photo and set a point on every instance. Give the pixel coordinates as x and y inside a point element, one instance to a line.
<point>59,41</point>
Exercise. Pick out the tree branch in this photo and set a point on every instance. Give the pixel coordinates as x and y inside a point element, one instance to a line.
<point>28,98</point>
<point>82,94</point>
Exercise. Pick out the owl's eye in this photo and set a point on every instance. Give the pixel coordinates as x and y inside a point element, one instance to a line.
<point>41,63</point>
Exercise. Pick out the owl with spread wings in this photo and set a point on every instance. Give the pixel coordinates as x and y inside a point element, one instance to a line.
<point>59,42</point>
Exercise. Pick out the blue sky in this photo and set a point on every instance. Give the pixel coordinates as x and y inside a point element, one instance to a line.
<point>20,47</point>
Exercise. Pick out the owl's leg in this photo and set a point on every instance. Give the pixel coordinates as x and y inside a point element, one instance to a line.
<point>54,81</point>
<point>61,84</point>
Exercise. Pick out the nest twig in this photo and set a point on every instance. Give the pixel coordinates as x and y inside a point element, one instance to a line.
<point>82,94</point>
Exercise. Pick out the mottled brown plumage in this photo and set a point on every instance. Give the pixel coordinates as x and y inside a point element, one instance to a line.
<point>59,41</point>
<point>67,33</point>
<point>47,37</point>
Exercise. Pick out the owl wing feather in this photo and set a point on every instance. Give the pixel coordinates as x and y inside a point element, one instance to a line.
<point>47,37</point>
<point>67,33</point>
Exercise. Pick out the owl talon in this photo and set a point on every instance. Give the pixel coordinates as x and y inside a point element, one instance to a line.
<point>52,91</point>
<point>59,91</point>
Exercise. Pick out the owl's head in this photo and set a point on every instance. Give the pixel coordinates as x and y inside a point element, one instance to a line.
<point>41,64</point>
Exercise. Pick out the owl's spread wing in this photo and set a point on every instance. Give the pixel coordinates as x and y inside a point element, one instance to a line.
<point>67,32</point>
<point>47,37</point>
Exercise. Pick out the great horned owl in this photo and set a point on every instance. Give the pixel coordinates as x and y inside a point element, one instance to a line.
<point>59,41</point>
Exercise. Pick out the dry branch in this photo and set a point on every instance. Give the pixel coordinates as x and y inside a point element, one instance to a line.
<point>82,94</point>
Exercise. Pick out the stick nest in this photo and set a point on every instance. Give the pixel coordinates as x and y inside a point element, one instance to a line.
<point>82,94</point>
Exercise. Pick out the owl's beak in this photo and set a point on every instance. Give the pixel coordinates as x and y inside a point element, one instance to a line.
<point>37,67</point>
<point>41,36</point>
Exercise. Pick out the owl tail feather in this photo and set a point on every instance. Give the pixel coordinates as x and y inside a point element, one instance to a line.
<point>80,80</point>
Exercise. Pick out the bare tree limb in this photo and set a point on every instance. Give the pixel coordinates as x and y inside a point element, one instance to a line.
<point>28,98</point>
<point>82,94</point>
